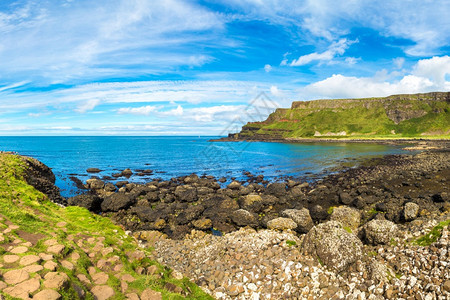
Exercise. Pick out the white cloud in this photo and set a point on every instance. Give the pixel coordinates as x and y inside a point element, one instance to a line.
<point>398,62</point>
<point>143,110</point>
<point>267,68</point>
<point>427,75</point>
<point>179,111</point>
<point>87,105</point>
<point>352,60</point>
<point>335,49</point>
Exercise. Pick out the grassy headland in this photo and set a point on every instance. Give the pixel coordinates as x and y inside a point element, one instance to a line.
<point>395,117</point>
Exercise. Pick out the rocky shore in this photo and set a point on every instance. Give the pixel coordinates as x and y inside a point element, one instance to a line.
<point>379,231</point>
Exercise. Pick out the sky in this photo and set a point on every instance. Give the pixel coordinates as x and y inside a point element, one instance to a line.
<point>181,67</point>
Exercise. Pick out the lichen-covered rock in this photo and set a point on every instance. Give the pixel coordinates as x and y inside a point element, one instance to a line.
<point>243,217</point>
<point>333,245</point>
<point>378,232</point>
<point>250,200</point>
<point>281,224</point>
<point>301,217</point>
<point>277,189</point>
<point>202,224</point>
<point>347,216</point>
<point>410,211</point>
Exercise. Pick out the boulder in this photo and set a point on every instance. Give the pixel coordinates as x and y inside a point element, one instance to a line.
<point>189,214</point>
<point>95,183</point>
<point>281,224</point>
<point>378,232</point>
<point>277,189</point>
<point>347,216</point>
<point>127,173</point>
<point>145,213</point>
<point>410,211</point>
<point>116,202</point>
<point>249,200</point>
<point>91,202</point>
<point>301,217</point>
<point>93,170</point>
<point>186,193</point>
<point>243,217</point>
<point>191,179</point>
<point>333,245</point>
<point>109,187</point>
<point>235,185</point>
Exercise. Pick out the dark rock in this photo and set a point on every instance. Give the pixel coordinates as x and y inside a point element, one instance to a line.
<point>381,207</point>
<point>186,193</point>
<point>301,217</point>
<point>109,187</point>
<point>93,170</point>
<point>146,214</point>
<point>345,198</point>
<point>318,213</point>
<point>277,189</point>
<point>222,179</point>
<point>440,197</point>
<point>127,173</point>
<point>120,184</point>
<point>234,185</point>
<point>91,202</point>
<point>116,202</point>
<point>189,214</point>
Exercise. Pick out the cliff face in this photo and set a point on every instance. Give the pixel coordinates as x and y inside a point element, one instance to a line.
<point>415,115</point>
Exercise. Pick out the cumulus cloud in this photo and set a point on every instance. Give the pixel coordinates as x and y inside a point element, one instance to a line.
<point>426,76</point>
<point>335,49</point>
<point>267,68</point>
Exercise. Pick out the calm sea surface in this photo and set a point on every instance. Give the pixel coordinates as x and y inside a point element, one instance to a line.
<point>176,156</point>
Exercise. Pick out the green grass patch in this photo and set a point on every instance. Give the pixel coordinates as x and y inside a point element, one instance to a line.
<point>291,243</point>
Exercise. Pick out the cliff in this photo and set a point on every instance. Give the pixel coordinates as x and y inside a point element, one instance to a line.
<point>398,116</point>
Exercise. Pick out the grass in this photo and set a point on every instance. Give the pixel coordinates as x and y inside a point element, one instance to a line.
<point>23,205</point>
<point>291,243</point>
<point>432,236</point>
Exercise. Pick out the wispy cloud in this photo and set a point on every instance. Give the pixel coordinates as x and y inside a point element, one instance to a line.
<point>143,110</point>
<point>335,49</point>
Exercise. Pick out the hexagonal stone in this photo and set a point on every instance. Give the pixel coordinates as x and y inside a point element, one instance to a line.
<point>100,278</point>
<point>56,249</point>
<point>23,289</point>
<point>33,268</point>
<point>150,294</point>
<point>102,292</point>
<point>9,259</point>
<point>55,280</point>
<point>47,295</point>
<point>19,250</point>
<point>15,276</point>
<point>29,259</point>
<point>50,265</point>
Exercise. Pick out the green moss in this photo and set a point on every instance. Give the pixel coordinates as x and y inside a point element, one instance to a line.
<point>291,243</point>
<point>433,235</point>
<point>330,210</point>
<point>372,253</point>
<point>348,229</point>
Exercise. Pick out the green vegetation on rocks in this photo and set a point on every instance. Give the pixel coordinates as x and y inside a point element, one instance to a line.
<point>51,251</point>
<point>399,116</point>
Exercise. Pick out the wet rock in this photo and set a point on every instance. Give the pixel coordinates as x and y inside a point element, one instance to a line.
<point>109,187</point>
<point>440,197</point>
<point>249,201</point>
<point>121,183</point>
<point>318,213</point>
<point>410,211</point>
<point>301,217</point>
<point>90,202</point>
<point>378,232</point>
<point>127,173</point>
<point>93,170</point>
<point>333,245</point>
<point>116,202</point>
<point>281,224</point>
<point>95,184</point>
<point>189,214</point>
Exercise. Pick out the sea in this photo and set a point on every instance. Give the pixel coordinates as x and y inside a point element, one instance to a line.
<point>173,156</point>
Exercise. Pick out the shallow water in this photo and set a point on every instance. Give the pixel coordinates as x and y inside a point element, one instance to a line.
<point>176,156</point>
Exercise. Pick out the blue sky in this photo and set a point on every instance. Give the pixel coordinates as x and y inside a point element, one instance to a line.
<point>173,67</point>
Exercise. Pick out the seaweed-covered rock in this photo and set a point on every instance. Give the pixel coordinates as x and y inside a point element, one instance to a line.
<point>333,245</point>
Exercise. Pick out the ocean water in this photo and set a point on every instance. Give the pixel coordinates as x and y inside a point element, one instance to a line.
<point>177,156</point>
